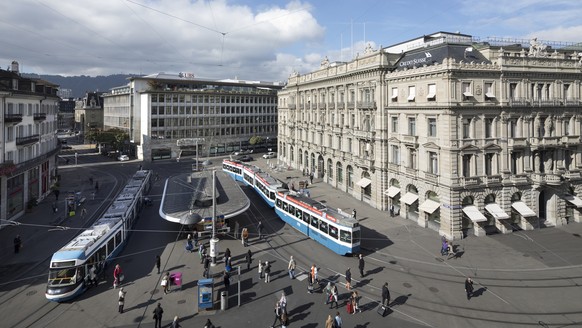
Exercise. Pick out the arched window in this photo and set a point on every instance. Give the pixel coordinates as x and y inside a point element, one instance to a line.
<point>368,190</point>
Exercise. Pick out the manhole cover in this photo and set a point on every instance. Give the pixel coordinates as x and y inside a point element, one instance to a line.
<point>407,285</point>
<point>181,301</point>
<point>433,289</point>
<point>30,293</point>
<point>392,262</point>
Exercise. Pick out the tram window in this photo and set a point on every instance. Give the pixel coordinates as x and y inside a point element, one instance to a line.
<point>314,221</point>
<point>110,246</point>
<point>285,207</point>
<point>356,236</point>
<point>298,214</point>
<point>323,227</point>
<point>333,231</point>
<point>345,236</point>
<point>306,218</point>
<point>272,195</point>
<point>292,210</point>
<point>117,238</point>
<point>278,203</point>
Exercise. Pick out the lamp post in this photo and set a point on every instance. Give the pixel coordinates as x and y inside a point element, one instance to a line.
<point>213,239</point>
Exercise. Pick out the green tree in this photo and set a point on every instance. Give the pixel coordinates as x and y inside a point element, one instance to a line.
<point>255,140</point>
<point>114,137</point>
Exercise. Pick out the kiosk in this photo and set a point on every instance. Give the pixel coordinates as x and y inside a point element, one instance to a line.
<point>205,294</point>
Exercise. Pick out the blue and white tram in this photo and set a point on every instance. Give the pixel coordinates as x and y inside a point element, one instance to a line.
<point>331,228</point>
<point>69,266</point>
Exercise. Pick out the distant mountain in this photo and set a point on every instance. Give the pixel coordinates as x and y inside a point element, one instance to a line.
<point>82,84</point>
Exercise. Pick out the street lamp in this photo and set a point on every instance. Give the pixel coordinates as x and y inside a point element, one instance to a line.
<point>213,239</point>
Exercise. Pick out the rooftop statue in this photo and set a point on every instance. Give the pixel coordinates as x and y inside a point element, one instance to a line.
<point>537,49</point>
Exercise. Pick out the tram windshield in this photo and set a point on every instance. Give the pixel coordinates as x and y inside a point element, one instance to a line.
<point>65,276</point>
<point>356,236</point>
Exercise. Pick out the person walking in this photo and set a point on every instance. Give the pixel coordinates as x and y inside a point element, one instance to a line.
<point>55,208</point>
<point>93,275</point>
<point>267,270</point>
<point>158,263</point>
<point>348,279</point>
<point>327,293</point>
<point>195,234</point>
<point>121,299</point>
<point>355,302</point>
<point>226,254</point>
<point>249,258</point>
<point>226,281</point>
<point>17,244</point>
<point>260,270</point>
<point>208,324</point>
<point>469,287</point>
<point>354,213</point>
<point>361,265</point>
<point>83,212</point>
<point>176,323</point>
<point>117,276</point>
<point>291,268</point>
<point>338,320</point>
<point>311,178</point>
<point>385,295</point>
<point>260,230</point>
<point>329,321</point>
<point>189,244</point>
<point>334,296</point>
<point>202,252</point>
<point>245,237</point>
<point>158,312</point>
<point>166,282</point>
<point>277,314</point>
<point>284,319</point>
<point>206,266</point>
<point>309,283</point>
<point>283,302</point>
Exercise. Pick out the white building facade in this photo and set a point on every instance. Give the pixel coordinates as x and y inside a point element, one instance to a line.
<point>461,136</point>
<point>170,116</point>
<point>28,138</point>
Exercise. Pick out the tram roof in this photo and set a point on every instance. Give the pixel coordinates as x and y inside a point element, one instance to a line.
<point>337,215</point>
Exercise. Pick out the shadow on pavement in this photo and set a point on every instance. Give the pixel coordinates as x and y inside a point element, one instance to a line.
<point>297,314</point>
<point>373,240</point>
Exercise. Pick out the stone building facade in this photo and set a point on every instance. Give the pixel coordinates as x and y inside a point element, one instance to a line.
<point>459,135</point>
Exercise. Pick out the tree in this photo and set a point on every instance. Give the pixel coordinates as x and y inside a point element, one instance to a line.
<point>255,140</point>
<point>114,137</point>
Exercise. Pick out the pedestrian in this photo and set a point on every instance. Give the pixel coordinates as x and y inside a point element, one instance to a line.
<point>195,234</point>
<point>311,178</point>
<point>260,230</point>
<point>334,296</point>
<point>361,265</point>
<point>309,282</point>
<point>117,276</point>
<point>260,270</point>
<point>158,263</point>
<point>57,192</point>
<point>17,244</point>
<point>469,287</point>
<point>385,295</point>
<point>206,266</point>
<point>91,180</point>
<point>121,299</point>
<point>329,321</point>
<point>291,268</point>
<point>245,236</point>
<point>96,186</point>
<point>444,247</point>
<point>93,275</point>
<point>55,208</point>
<point>83,212</point>
<point>267,270</point>
<point>277,314</point>
<point>348,279</point>
<point>355,302</point>
<point>328,293</point>
<point>315,274</point>
<point>312,273</point>
<point>338,320</point>
<point>284,319</point>
<point>208,324</point>
<point>158,312</point>
<point>354,213</point>
<point>175,323</point>
<point>165,283</point>
<point>283,302</point>
<point>226,281</point>
<point>201,252</point>
<point>249,259</point>
<point>189,245</point>
<point>226,254</point>
<point>392,210</point>
<point>227,264</point>
<point>93,195</point>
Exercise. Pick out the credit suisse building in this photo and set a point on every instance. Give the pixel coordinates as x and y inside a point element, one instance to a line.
<point>463,136</point>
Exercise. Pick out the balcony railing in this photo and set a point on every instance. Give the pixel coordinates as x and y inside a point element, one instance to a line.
<point>366,104</point>
<point>431,177</point>
<point>545,141</point>
<point>517,142</point>
<point>469,181</point>
<point>543,178</point>
<point>351,105</point>
<point>292,106</point>
<point>491,179</point>
<point>25,141</point>
<point>39,116</point>
<point>12,118</point>
<point>364,134</point>
<point>571,140</point>
<point>409,139</point>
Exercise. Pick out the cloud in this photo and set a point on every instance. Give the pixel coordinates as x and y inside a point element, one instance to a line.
<point>209,38</point>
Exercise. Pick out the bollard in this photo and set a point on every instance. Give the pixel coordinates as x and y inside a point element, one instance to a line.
<point>223,301</point>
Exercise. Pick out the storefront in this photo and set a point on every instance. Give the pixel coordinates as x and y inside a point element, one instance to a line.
<point>15,191</point>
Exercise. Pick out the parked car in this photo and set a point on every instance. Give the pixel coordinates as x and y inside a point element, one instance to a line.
<point>123,158</point>
<point>270,155</point>
<point>244,158</point>
<point>63,147</point>
<point>242,152</point>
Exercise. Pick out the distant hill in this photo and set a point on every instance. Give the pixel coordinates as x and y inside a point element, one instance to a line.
<point>82,84</point>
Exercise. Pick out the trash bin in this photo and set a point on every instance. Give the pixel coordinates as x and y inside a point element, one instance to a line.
<point>223,300</point>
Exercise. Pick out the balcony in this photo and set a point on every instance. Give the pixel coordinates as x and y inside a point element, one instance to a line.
<point>321,105</point>
<point>431,177</point>
<point>549,179</point>
<point>26,141</point>
<point>393,167</point>
<point>519,102</point>
<point>517,142</point>
<point>411,171</point>
<point>341,105</point>
<point>571,140</point>
<point>366,104</point>
<point>351,105</point>
<point>12,119</point>
<point>572,174</point>
<point>572,102</point>
<point>409,139</point>
<point>337,129</point>
<point>39,116</point>
<point>492,179</point>
<point>545,141</point>
<point>519,178</point>
<point>292,106</point>
<point>331,105</point>
<point>364,134</point>
<point>469,181</point>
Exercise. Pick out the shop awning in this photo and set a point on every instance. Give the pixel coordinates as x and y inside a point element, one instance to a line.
<point>392,191</point>
<point>573,200</point>
<point>496,211</point>
<point>429,206</point>
<point>468,94</point>
<point>523,209</point>
<point>364,182</point>
<point>409,198</point>
<point>474,214</point>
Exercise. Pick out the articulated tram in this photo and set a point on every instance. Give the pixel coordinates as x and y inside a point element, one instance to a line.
<point>99,244</point>
<point>332,228</point>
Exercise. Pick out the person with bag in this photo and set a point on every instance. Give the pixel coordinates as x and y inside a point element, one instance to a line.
<point>338,321</point>
<point>249,258</point>
<point>327,292</point>
<point>329,321</point>
<point>267,272</point>
<point>166,282</point>
<point>121,299</point>
<point>245,236</point>
<point>277,314</point>
<point>469,287</point>
<point>158,312</point>
<point>334,296</point>
<point>117,276</point>
<point>284,319</point>
<point>291,268</point>
<point>260,270</point>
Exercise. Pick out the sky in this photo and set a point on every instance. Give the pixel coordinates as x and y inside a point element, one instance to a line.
<point>247,39</point>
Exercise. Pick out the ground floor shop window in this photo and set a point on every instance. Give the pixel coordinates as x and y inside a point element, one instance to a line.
<point>15,189</point>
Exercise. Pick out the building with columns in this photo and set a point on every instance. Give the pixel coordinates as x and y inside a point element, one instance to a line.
<point>463,136</point>
<point>28,141</point>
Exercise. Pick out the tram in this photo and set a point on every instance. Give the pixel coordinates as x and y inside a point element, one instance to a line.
<point>332,228</point>
<point>99,244</point>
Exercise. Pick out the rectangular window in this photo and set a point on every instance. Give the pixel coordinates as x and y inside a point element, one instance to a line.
<point>433,164</point>
<point>314,222</point>
<point>466,90</point>
<point>323,227</point>
<point>412,158</point>
<point>411,93</point>
<point>511,127</point>
<point>432,127</point>
<point>489,94</point>
<point>332,232</point>
<point>566,127</point>
<point>395,158</point>
<point>466,128</point>
<point>412,126</point>
<point>513,91</point>
<point>515,157</point>
<point>567,91</point>
<point>394,124</point>
<point>345,236</point>
<point>488,128</point>
<point>466,166</point>
<point>394,96</point>
<point>431,92</point>
<point>489,164</point>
